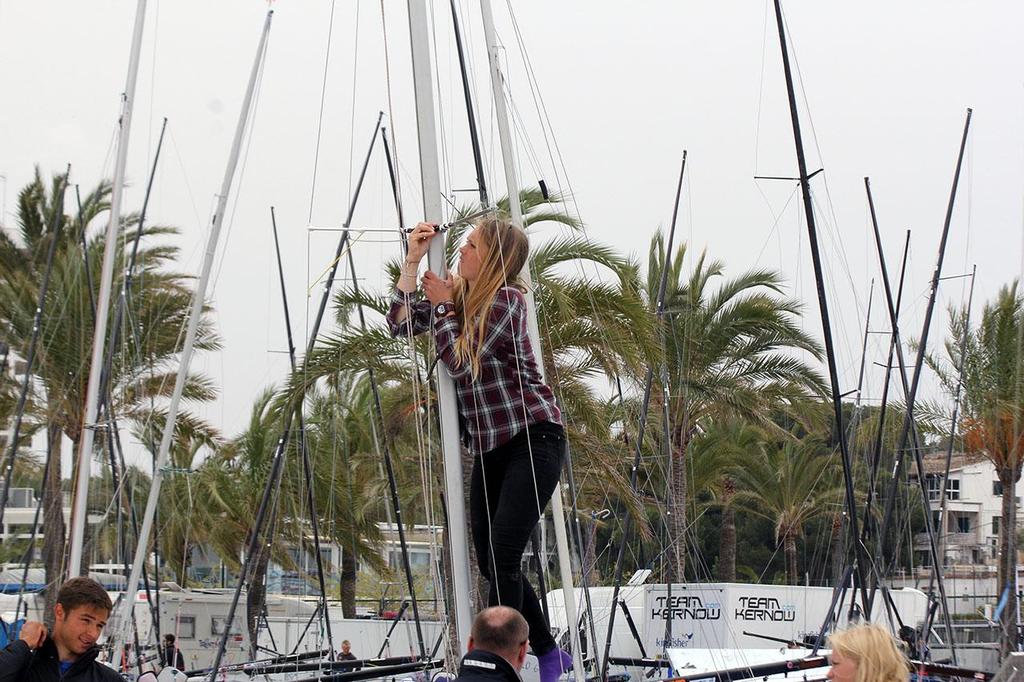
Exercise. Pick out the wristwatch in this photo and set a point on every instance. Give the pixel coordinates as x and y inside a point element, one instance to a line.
<point>443,309</point>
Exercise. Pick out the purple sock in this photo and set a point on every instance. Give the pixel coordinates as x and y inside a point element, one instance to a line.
<point>553,664</point>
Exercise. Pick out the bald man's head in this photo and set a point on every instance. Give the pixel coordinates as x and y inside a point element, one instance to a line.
<point>501,630</point>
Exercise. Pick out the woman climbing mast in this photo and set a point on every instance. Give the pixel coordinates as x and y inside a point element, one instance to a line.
<point>507,415</point>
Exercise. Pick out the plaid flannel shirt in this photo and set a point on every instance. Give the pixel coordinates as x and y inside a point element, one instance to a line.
<point>508,395</point>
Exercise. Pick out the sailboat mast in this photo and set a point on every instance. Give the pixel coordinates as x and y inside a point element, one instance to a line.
<point>634,475</point>
<point>110,427</point>
<point>666,440</point>
<point>896,346</point>
<point>383,447</point>
<point>273,479</point>
<point>841,549</point>
<point>908,427</point>
<point>940,531</point>
<point>883,408</point>
<point>481,185</point>
<point>863,354</point>
<point>908,420</point>
<point>533,331</point>
<point>314,517</point>
<point>860,556</point>
<point>474,134</point>
<point>103,304</point>
<point>343,242</point>
<point>430,181</point>
<point>106,402</point>
<point>126,284</point>
<point>196,313</point>
<point>393,178</point>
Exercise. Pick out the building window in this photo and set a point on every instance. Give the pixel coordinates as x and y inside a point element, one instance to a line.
<point>997,488</point>
<point>963,524</point>
<point>185,627</point>
<point>217,626</point>
<point>953,489</point>
<point>417,559</point>
<point>934,486</point>
<point>995,524</point>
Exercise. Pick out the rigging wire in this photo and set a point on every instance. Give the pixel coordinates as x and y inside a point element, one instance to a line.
<point>353,98</point>
<point>445,152</point>
<point>320,114</point>
<point>390,99</point>
<point>184,176</point>
<point>554,151</point>
<point>239,182</point>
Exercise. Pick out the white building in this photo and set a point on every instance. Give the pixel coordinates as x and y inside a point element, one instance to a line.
<point>422,541</point>
<point>21,513</point>
<point>973,516</point>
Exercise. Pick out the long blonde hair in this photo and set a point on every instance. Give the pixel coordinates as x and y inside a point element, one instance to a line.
<point>504,249</point>
<point>878,656</point>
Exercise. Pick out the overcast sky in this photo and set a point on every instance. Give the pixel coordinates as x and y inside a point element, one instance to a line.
<point>622,88</point>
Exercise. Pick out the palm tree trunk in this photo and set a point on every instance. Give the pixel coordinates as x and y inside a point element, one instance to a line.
<point>789,546</point>
<point>256,595</point>
<point>677,504</point>
<point>838,548</point>
<point>88,546</point>
<point>727,541</point>
<point>1008,477</point>
<point>53,521</point>
<point>186,564</point>
<point>348,583</point>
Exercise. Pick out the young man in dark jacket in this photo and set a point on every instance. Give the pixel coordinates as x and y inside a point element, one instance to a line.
<point>497,646</point>
<point>68,654</point>
<point>170,654</point>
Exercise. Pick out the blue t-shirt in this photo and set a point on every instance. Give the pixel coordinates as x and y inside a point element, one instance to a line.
<point>65,666</point>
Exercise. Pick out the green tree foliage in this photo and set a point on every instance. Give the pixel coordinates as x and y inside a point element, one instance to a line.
<point>141,377</point>
<point>789,485</point>
<point>733,348</point>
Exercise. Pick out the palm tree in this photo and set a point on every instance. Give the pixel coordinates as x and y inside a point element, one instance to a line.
<point>229,487</point>
<point>992,409</point>
<point>347,482</point>
<point>182,525</point>
<point>139,378</point>
<point>714,454</point>
<point>789,485</point>
<point>731,350</point>
<point>111,539</point>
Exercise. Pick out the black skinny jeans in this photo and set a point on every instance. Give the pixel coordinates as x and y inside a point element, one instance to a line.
<point>506,497</point>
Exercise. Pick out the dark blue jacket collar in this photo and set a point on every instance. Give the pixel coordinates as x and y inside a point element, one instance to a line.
<point>480,664</point>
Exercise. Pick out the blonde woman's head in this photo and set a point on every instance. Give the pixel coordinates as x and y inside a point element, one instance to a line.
<point>494,254</point>
<point>866,653</point>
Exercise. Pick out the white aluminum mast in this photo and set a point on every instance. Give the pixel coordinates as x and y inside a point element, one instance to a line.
<point>198,300</point>
<point>512,183</point>
<point>103,303</point>
<point>458,544</point>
